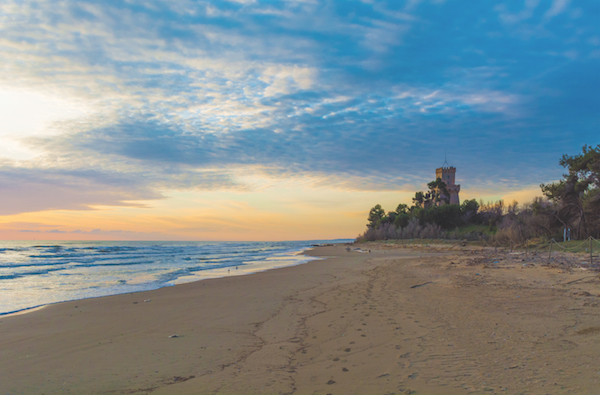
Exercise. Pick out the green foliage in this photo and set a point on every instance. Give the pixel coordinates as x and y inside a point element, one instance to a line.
<point>402,220</point>
<point>576,195</point>
<point>447,216</point>
<point>402,209</point>
<point>438,190</point>
<point>419,199</point>
<point>469,209</point>
<point>376,215</point>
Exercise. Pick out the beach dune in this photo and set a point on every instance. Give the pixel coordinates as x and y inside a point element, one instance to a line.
<point>396,321</point>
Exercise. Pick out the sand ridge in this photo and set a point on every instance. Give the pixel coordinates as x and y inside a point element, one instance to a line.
<point>395,321</point>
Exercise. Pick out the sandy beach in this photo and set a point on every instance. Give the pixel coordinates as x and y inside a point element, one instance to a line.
<point>447,320</point>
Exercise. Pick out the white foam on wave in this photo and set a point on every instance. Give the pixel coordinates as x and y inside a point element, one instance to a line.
<point>38,274</point>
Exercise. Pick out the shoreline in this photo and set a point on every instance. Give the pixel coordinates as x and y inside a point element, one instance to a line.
<point>397,320</point>
<point>25,311</point>
<point>213,273</point>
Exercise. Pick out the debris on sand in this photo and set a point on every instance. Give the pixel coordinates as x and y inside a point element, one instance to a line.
<point>420,285</point>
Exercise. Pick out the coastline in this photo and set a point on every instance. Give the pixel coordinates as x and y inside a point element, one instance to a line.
<point>395,320</point>
<point>24,311</point>
<point>76,271</point>
<point>28,310</point>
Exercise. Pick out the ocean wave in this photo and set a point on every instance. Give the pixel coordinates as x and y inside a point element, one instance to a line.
<point>34,275</point>
<point>15,275</point>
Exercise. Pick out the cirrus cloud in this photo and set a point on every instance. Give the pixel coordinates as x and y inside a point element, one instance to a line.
<point>360,95</point>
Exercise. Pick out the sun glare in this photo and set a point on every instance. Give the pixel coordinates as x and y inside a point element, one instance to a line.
<point>26,114</point>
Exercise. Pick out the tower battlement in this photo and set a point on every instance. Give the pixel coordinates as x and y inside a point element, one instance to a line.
<point>447,174</point>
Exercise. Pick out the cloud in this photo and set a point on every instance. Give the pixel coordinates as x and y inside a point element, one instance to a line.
<point>183,95</point>
<point>86,182</point>
<point>526,13</point>
<point>127,234</point>
<point>23,224</point>
<point>283,80</point>
<point>26,190</point>
<point>115,234</point>
<point>558,6</point>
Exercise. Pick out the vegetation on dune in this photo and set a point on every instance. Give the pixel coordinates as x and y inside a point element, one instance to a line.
<point>577,195</point>
<point>573,202</point>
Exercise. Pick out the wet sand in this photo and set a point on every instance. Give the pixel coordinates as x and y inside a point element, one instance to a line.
<point>395,321</point>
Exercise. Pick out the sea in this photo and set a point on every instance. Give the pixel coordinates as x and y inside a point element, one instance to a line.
<point>34,273</point>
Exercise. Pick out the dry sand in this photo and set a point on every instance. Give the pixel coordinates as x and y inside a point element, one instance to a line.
<point>351,324</point>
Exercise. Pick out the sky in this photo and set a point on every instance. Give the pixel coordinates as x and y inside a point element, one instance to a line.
<point>280,120</point>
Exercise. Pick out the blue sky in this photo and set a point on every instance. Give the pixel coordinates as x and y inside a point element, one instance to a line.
<point>134,104</point>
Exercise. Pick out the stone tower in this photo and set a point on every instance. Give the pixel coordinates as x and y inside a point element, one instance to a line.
<point>448,173</point>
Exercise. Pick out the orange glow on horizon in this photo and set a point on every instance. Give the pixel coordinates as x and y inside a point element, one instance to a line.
<point>274,214</point>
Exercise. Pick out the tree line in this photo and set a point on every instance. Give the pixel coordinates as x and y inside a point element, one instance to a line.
<point>573,203</point>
